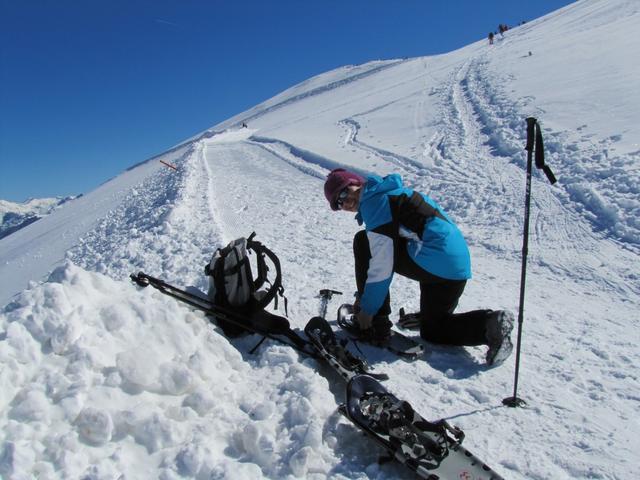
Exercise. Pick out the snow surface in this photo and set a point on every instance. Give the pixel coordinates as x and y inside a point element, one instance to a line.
<point>103,380</point>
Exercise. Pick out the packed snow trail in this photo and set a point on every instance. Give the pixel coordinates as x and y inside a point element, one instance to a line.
<point>289,215</point>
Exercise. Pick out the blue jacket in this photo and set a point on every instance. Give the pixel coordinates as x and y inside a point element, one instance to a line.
<point>389,211</point>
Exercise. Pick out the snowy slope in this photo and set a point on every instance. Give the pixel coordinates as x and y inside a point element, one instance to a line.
<point>32,252</point>
<point>100,379</point>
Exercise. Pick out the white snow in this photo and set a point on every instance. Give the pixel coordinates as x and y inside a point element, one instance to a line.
<point>100,379</point>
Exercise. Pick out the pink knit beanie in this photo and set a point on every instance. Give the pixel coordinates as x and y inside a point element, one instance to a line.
<point>336,181</point>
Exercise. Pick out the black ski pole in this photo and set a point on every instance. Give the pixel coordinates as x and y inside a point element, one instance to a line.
<point>234,318</point>
<point>534,144</point>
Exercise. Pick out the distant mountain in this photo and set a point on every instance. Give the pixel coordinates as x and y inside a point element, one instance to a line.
<point>14,216</point>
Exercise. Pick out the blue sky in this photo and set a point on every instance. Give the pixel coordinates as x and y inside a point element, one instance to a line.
<point>91,87</point>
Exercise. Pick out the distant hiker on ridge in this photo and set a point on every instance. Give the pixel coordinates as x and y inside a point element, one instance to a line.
<point>408,233</point>
<point>490,38</point>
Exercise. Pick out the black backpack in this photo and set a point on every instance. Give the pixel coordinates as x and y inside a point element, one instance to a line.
<point>231,282</point>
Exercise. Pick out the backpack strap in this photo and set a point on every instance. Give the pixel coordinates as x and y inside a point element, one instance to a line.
<point>218,279</point>
<point>262,266</point>
<point>276,287</point>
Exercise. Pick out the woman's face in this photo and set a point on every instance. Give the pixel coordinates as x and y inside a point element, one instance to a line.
<point>351,198</point>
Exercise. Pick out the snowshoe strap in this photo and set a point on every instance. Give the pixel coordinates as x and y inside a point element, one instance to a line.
<point>368,336</point>
<point>410,321</point>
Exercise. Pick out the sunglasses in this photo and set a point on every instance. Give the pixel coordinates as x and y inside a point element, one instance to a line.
<point>342,196</point>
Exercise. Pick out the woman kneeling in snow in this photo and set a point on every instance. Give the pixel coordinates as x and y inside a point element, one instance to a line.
<point>408,233</point>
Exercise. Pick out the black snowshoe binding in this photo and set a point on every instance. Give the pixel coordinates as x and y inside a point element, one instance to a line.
<point>335,351</point>
<point>431,449</point>
<point>389,416</point>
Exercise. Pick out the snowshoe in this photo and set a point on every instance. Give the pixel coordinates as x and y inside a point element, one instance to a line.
<point>431,449</point>
<point>393,341</point>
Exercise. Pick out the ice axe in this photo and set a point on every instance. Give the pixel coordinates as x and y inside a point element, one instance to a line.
<point>325,296</point>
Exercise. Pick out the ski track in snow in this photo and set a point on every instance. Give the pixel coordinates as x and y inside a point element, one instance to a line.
<point>153,228</point>
<point>305,161</point>
<point>407,164</point>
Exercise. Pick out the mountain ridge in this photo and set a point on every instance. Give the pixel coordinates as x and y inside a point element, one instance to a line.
<point>14,216</point>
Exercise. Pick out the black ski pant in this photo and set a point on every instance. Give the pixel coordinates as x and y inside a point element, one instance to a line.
<point>438,298</point>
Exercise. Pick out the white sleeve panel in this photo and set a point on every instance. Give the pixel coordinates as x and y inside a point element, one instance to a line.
<point>381,264</point>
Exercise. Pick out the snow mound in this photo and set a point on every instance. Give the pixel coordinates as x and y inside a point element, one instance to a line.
<point>128,372</point>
